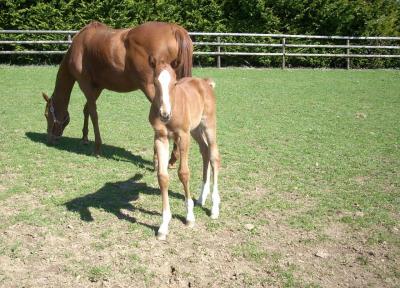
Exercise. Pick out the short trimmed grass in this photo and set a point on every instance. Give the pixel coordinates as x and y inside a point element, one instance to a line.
<point>301,149</point>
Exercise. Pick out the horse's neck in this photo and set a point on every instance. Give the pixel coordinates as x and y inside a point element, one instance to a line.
<point>62,90</point>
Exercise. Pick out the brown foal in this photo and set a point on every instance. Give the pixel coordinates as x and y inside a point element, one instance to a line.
<point>180,109</point>
<point>115,59</point>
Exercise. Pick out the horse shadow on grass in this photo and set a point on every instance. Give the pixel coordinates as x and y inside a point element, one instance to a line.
<point>114,197</point>
<point>75,145</point>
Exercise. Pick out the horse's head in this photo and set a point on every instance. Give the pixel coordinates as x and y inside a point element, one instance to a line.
<point>55,126</point>
<point>164,81</point>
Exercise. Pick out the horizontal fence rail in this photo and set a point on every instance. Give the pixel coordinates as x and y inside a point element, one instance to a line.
<point>227,44</point>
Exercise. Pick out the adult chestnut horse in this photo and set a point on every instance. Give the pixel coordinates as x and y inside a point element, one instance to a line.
<point>118,60</point>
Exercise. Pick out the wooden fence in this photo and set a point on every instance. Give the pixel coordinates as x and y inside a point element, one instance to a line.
<point>225,44</point>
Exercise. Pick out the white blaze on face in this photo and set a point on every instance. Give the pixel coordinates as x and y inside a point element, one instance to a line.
<point>165,78</point>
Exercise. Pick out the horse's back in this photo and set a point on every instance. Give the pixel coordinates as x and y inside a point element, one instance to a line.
<point>154,38</point>
<point>118,59</point>
<point>98,55</point>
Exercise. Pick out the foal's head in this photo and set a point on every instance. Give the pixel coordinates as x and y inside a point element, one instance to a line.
<point>55,126</point>
<point>164,81</point>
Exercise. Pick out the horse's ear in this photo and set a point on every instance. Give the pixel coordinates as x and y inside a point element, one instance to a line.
<point>46,98</point>
<point>152,61</point>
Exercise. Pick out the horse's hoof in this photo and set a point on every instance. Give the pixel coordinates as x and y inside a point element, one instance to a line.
<point>85,141</point>
<point>189,224</point>
<point>161,236</point>
<point>96,154</point>
<point>171,166</point>
<point>214,216</point>
<point>199,203</point>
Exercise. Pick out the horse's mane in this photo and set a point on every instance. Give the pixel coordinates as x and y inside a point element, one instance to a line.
<point>185,53</point>
<point>92,24</point>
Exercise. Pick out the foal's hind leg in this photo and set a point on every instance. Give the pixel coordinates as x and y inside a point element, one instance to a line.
<point>198,135</point>
<point>210,133</point>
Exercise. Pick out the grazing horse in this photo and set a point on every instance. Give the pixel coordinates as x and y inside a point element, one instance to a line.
<point>180,109</point>
<point>114,59</point>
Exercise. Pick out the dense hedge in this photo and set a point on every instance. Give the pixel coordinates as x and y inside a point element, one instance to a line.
<point>320,17</point>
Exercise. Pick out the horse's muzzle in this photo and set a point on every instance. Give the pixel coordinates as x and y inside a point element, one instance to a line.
<point>165,117</point>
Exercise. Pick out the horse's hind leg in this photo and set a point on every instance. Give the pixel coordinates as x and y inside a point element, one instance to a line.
<point>85,129</point>
<point>199,136</point>
<point>174,156</point>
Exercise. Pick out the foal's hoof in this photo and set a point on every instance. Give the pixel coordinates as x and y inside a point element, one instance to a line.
<point>171,166</point>
<point>161,236</point>
<point>189,224</point>
<point>85,141</point>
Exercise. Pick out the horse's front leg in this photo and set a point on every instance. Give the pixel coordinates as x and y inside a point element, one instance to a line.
<point>174,156</point>
<point>91,94</point>
<point>96,129</point>
<point>161,147</point>
<point>85,129</point>
<point>184,176</point>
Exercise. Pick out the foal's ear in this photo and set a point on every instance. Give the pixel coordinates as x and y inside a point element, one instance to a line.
<point>152,61</point>
<point>46,98</point>
<point>175,64</point>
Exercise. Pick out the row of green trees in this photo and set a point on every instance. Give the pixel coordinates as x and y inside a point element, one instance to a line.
<point>319,17</point>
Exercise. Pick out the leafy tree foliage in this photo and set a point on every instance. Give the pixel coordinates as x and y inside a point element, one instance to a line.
<point>320,17</point>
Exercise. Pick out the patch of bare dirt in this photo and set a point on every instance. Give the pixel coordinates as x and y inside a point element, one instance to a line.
<point>120,250</point>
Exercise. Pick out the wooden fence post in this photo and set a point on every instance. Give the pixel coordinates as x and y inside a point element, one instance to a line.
<point>69,40</point>
<point>283,52</point>
<point>348,53</point>
<point>219,50</point>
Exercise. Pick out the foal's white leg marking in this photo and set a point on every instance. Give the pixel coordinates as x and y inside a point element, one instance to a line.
<point>216,200</point>
<point>164,79</point>
<point>205,189</point>
<point>190,215</point>
<point>162,151</point>
<point>166,218</point>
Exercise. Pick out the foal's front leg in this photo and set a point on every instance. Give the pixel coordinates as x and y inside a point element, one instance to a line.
<point>161,147</point>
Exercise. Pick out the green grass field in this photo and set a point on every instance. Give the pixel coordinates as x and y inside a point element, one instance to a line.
<point>310,187</point>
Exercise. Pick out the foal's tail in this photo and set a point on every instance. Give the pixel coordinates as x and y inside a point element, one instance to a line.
<point>210,82</point>
<point>185,53</point>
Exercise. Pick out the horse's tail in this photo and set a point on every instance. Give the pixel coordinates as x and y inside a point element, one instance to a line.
<point>185,53</point>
